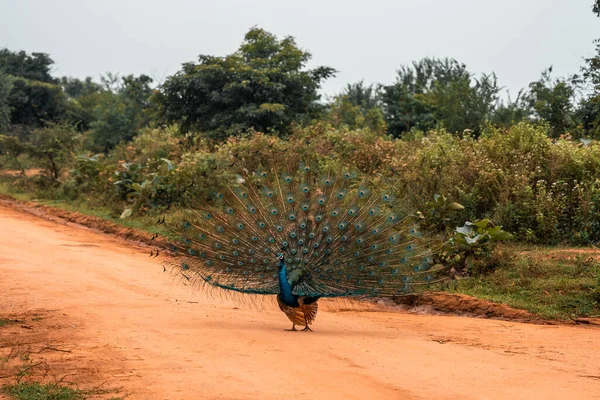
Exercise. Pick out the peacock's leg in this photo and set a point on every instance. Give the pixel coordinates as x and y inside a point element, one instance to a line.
<point>293,328</point>
<point>306,328</point>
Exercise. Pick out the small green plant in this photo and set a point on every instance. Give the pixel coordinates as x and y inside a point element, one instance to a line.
<point>467,250</point>
<point>437,213</point>
<point>38,391</point>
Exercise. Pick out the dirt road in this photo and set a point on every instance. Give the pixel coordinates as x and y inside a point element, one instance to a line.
<point>127,324</point>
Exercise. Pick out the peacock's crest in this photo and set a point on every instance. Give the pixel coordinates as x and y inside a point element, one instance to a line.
<point>339,236</point>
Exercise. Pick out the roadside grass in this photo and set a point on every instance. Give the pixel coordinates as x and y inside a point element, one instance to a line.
<point>147,223</point>
<point>38,391</point>
<point>6,190</point>
<point>49,391</point>
<point>552,282</point>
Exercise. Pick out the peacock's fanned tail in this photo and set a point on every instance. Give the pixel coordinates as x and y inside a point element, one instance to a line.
<point>339,237</point>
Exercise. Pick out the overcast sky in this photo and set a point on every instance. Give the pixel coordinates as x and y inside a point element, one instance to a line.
<point>367,40</point>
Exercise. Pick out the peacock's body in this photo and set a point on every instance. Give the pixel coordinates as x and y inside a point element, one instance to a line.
<point>302,236</point>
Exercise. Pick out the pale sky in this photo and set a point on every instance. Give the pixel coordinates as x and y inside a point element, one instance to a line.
<point>367,40</point>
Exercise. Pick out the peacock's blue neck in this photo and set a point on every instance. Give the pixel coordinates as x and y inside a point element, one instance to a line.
<point>285,289</point>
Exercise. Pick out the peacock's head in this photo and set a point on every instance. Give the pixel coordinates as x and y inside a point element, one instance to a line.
<point>281,259</point>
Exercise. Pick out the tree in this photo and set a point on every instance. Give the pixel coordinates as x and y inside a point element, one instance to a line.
<point>53,145</point>
<point>5,87</point>
<point>588,111</point>
<point>33,97</point>
<point>35,67</point>
<point>76,88</point>
<point>263,85</point>
<point>358,106</point>
<point>552,100</point>
<point>512,112</point>
<point>34,103</point>
<point>119,116</point>
<point>11,147</point>
<point>438,91</point>
<point>359,94</point>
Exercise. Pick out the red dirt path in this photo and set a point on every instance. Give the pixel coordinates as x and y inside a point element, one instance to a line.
<point>100,309</point>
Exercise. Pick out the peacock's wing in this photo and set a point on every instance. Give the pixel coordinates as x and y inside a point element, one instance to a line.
<point>340,237</point>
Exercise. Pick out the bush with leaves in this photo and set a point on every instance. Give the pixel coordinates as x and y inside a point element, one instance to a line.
<point>468,251</point>
<point>54,147</point>
<point>11,148</point>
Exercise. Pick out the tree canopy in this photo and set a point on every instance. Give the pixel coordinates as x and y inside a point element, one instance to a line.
<point>35,67</point>
<point>263,85</point>
<point>438,91</point>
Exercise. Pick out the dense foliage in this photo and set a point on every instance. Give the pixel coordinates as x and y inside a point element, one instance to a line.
<point>262,86</point>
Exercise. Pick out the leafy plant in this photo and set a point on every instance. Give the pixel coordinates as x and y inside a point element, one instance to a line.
<point>471,244</point>
<point>438,212</point>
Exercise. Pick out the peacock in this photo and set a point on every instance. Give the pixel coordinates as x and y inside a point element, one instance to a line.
<point>302,234</point>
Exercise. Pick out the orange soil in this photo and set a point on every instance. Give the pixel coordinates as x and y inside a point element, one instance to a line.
<point>100,313</point>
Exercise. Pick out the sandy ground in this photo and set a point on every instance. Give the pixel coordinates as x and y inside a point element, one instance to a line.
<point>100,313</point>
